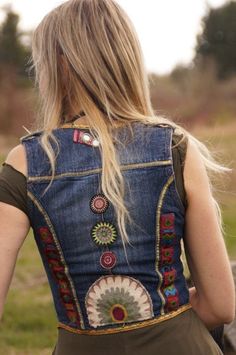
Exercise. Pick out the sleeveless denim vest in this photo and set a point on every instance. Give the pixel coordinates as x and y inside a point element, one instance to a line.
<point>95,290</point>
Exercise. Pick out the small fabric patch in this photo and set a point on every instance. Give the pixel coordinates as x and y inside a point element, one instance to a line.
<point>104,233</point>
<point>172,303</point>
<point>169,276</point>
<point>58,271</point>
<point>167,237</point>
<point>108,260</point>
<point>117,299</point>
<point>84,138</point>
<point>99,203</point>
<point>46,235</point>
<point>170,291</point>
<point>167,221</point>
<point>167,255</point>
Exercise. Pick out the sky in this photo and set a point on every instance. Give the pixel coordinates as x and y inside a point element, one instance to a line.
<point>167,29</point>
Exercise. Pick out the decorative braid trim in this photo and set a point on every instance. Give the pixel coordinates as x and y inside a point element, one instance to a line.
<point>125,328</point>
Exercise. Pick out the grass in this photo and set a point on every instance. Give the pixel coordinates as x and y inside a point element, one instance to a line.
<point>29,322</point>
<point>221,141</point>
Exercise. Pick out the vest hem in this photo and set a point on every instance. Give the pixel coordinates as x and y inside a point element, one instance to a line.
<point>127,327</point>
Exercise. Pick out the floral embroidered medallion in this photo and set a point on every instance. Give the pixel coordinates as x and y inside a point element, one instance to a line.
<point>99,203</point>
<point>117,299</point>
<point>104,233</point>
<point>108,260</point>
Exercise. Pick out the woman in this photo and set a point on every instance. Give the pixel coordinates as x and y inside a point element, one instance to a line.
<point>104,201</point>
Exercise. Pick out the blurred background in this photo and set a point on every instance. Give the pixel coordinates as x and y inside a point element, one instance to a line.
<point>190,55</point>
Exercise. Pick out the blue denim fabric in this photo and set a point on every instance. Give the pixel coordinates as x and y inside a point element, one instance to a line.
<point>86,294</point>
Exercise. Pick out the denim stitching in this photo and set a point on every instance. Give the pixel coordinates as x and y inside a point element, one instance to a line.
<point>98,170</point>
<point>51,228</point>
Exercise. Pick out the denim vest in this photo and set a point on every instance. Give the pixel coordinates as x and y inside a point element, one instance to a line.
<point>93,286</point>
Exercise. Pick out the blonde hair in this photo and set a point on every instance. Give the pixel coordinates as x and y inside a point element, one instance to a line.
<point>86,55</point>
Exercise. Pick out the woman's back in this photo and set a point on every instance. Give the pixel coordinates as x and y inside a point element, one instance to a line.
<point>104,196</point>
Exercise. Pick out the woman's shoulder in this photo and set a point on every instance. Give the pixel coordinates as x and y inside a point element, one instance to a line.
<point>17,159</point>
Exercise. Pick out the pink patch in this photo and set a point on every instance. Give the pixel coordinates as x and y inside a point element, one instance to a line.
<point>172,303</point>
<point>167,221</point>
<point>169,277</point>
<point>167,255</point>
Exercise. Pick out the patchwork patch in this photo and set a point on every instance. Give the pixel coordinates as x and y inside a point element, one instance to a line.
<point>167,221</point>
<point>172,303</point>
<point>167,255</point>
<point>117,299</point>
<point>169,274</point>
<point>168,238</point>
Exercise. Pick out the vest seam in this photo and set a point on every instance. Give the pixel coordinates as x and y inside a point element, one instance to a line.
<point>51,228</point>
<point>158,216</point>
<point>98,170</point>
<point>177,195</point>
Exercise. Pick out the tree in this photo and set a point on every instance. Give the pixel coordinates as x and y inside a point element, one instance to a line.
<point>218,40</point>
<point>12,51</point>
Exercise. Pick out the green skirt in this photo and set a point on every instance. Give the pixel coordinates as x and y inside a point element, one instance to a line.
<point>185,334</point>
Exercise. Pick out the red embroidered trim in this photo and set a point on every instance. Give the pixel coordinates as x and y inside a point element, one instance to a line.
<point>167,255</point>
<point>58,270</point>
<point>167,240</point>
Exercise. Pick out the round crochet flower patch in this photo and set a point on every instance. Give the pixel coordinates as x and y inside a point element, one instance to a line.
<point>117,299</point>
<point>104,233</point>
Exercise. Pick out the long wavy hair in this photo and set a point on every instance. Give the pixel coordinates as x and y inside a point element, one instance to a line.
<point>86,56</point>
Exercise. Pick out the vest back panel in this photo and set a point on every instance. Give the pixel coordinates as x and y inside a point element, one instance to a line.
<point>75,227</point>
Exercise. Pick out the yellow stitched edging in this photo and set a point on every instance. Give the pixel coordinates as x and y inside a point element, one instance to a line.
<point>50,226</point>
<point>69,125</point>
<point>98,170</point>
<point>125,328</point>
<point>158,215</point>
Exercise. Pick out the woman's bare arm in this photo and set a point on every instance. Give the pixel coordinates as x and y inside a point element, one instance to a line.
<point>14,229</point>
<point>213,297</point>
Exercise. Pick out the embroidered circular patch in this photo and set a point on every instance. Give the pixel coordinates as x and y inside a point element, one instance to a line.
<point>116,299</point>
<point>104,233</point>
<point>99,203</point>
<point>108,260</point>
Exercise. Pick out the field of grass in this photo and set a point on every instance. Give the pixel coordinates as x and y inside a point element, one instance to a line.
<point>29,323</point>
